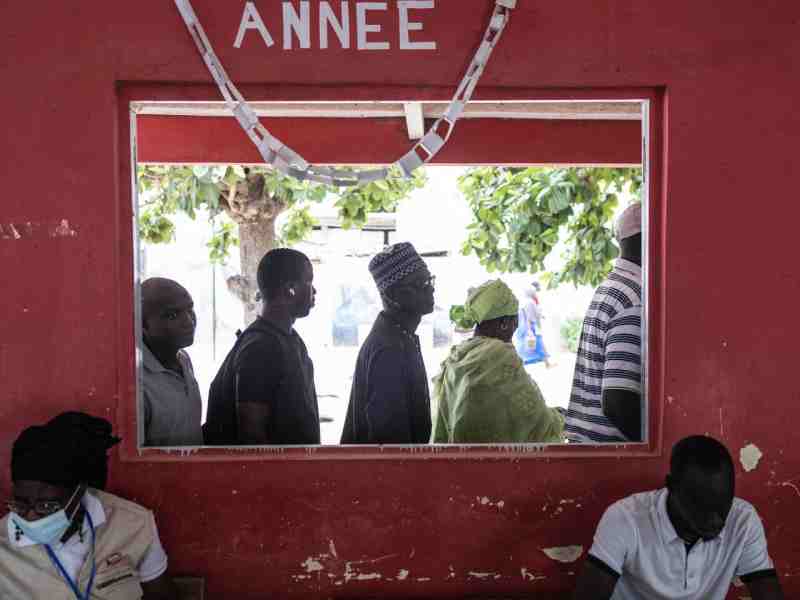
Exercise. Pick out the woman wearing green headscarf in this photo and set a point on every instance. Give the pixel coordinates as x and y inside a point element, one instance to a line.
<point>483,393</point>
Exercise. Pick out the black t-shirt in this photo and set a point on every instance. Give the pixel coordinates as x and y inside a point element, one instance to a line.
<point>266,365</point>
<point>389,400</point>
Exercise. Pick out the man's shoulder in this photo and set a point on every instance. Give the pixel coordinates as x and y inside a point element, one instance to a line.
<point>260,338</point>
<point>743,507</point>
<point>637,506</point>
<point>741,517</point>
<point>121,505</point>
<point>124,514</point>
<point>383,337</point>
<point>622,284</point>
<point>261,329</point>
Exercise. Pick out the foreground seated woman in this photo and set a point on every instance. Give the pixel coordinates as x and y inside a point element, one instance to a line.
<point>483,393</point>
<point>66,538</point>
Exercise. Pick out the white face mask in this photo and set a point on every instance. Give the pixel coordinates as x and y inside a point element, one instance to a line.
<point>49,529</point>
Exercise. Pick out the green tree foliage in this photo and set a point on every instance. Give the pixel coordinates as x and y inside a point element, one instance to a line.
<point>520,214</point>
<point>251,199</point>
<point>171,189</point>
<point>570,332</point>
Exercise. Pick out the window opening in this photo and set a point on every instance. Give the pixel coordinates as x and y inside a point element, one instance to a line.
<point>349,301</point>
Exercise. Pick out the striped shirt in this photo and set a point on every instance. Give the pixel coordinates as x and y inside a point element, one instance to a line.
<point>609,353</point>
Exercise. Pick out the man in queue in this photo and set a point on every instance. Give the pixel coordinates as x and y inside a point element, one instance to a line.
<point>606,400</point>
<point>263,393</point>
<point>65,536</point>
<point>170,394</point>
<point>686,541</point>
<point>390,400</point>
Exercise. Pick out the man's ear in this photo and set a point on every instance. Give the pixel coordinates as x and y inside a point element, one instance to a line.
<point>288,292</point>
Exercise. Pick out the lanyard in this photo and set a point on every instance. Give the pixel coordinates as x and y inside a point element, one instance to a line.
<point>74,584</point>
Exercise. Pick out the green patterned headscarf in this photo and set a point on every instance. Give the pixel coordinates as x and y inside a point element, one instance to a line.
<point>492,300</point>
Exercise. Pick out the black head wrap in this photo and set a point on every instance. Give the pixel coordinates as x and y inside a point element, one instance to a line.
<point>68,450</point>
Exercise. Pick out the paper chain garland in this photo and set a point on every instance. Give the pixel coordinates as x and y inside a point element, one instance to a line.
<point>287,161</point>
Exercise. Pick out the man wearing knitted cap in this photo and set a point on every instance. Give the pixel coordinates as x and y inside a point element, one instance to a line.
<point>389,400</point>
<point>606,400</point>
<point>64,536</point>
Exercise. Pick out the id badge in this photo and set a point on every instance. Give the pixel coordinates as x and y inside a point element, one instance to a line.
<point>117,579</point>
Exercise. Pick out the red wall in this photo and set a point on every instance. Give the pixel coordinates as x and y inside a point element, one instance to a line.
<point>723,277</point>
<point>170,139</point>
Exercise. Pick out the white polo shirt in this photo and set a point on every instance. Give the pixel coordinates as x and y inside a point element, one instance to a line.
<point>636,539</point>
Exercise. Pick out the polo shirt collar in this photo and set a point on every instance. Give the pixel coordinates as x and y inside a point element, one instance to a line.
<point>623,264</point>
<point>92,505</point>
<point>152,364</point>
<point>667,528</point>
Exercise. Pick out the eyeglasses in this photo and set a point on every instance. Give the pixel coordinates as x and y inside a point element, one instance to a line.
<point>429,282</point>
<point>43,508</point>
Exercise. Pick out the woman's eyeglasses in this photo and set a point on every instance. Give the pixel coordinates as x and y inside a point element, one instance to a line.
<point>43,508</point>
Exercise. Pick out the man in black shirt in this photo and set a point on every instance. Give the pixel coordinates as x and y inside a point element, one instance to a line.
<point>389,400</point>
<point>264,391</point>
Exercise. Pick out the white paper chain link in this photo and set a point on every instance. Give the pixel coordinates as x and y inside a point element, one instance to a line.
<point>287,161</point>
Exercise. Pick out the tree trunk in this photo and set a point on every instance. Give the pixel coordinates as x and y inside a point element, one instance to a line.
<point>254,209</point>
<point>255,240</point>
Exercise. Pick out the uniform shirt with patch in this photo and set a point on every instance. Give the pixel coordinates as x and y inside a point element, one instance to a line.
<point>637,541</point>
<point>73,553</point>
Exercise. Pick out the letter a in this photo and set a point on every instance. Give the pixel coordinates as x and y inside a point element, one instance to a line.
<point>252,20</point>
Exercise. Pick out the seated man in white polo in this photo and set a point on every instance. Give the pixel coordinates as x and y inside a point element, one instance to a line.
<point>687,541</point>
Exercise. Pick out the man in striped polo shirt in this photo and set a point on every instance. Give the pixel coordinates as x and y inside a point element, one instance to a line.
<point>606,400</point>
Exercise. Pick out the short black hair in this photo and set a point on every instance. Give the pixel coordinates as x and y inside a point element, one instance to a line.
<point>153,291</point>
<point>699,451</point>
<point>277,268</point>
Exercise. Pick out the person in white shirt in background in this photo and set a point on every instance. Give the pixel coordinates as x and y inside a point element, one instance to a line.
<point>687,541</point>
<point>65,536</point>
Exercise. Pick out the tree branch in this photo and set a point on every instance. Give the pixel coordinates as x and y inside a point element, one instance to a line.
<point>238,286</point>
